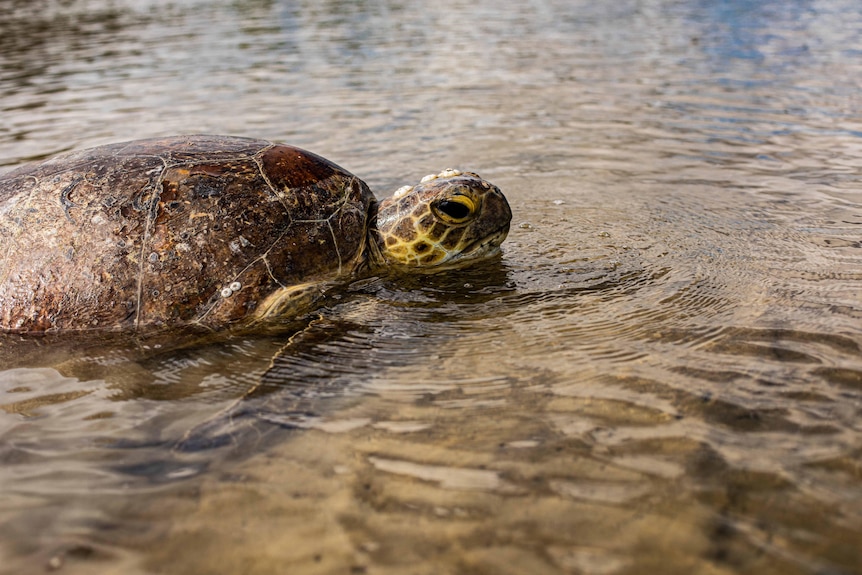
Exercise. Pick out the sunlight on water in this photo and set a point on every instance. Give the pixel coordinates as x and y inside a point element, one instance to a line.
<point>662,373</point>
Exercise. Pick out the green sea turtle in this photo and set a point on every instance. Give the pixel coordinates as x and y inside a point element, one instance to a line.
<point>215,231</point>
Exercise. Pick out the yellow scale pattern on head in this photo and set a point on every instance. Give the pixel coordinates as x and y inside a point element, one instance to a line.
<point>446,220</point>
<point>415,244</point>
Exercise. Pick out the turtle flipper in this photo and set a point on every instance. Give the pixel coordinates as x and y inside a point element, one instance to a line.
<point>287,395</point>
<point>290,301</point>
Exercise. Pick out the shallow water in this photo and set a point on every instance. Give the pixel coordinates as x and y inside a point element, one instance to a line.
<point>662,373</point>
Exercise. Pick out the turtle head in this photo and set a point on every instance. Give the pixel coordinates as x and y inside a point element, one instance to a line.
<point>445,221</point>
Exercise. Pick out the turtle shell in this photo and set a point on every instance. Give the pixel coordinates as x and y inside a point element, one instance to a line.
<point>170,232</point>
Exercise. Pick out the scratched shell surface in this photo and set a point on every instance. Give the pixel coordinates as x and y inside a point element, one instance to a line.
<point>171,231</point>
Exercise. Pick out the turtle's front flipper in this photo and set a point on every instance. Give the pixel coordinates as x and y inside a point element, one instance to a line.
<point>290,302</point>
<point>287,395</point>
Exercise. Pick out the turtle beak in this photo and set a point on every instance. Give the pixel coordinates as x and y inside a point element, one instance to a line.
<point>493,224</point>
<point>486,246</point>
<point>489,229</point>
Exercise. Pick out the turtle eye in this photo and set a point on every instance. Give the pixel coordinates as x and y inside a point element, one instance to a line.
<point>454,210</point>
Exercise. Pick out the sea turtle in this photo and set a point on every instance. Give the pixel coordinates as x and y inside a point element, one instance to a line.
<point>215,231</point>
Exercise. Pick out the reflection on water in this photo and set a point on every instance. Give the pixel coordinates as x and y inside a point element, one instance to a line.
<point>661,374</point>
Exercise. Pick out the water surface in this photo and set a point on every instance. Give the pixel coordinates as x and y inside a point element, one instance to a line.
<point>662,373</point>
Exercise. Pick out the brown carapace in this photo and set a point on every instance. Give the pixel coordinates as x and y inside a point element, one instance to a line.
<point>215,231</point>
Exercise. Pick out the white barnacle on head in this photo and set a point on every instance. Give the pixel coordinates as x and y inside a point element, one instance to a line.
<point>226,292</point>
<point>403,190</point>
<point>447,173</point>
